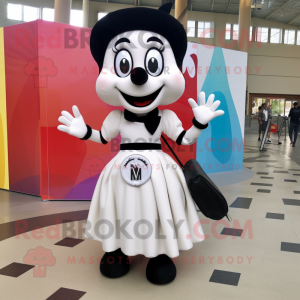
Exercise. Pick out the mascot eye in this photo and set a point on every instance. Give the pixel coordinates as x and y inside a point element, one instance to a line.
<point>123,63</point>
<point>154,62</point>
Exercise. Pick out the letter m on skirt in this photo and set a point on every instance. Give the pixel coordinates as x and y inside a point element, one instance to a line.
<point>136,173</point>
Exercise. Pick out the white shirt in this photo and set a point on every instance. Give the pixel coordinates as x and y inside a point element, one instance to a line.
<point>265,111</point>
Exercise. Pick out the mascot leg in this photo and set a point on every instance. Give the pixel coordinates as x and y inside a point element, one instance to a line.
<point>161,269</point>
<point>114,264</point>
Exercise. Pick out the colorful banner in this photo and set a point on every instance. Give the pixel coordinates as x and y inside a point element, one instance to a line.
<point>22,104</point>
<point>4,179</point>
<point>223,72</point>
<point>47,67</point>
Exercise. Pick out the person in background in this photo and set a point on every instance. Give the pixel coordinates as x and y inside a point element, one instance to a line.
<point>266,113</point>
<point>295,122</point>
<point>259,121</point>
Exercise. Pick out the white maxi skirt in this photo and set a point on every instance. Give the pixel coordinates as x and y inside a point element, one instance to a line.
<point>142,220</point>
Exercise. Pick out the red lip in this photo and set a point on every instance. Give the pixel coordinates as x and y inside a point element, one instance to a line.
<point>137,103</point>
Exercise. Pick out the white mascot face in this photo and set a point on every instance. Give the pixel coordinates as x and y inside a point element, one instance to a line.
<point>139,72</point>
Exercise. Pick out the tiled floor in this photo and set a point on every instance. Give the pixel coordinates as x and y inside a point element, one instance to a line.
<point>255,256</point>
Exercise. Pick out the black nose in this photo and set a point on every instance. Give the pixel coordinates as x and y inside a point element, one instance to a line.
<point>139,76</point>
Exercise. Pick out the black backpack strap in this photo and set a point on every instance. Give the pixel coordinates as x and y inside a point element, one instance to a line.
<point>227,215</point>
<point>172,151</point>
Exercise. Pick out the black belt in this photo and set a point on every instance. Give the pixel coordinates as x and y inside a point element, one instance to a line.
<point>140,146</point>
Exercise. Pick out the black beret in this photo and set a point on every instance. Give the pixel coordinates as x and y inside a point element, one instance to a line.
<point>138,18</point>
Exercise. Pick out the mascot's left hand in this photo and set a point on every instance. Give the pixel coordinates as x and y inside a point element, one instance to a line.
<point>204,113</point>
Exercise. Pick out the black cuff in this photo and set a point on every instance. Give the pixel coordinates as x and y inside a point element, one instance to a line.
<point>180,137</point>
<point>88,134</point>
<point>103,141</point>
<point>199,125</point>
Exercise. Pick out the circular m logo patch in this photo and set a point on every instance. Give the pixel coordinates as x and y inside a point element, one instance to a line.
<point>136,169</point>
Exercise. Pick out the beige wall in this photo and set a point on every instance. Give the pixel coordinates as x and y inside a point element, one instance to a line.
<point>274,67</point>
<point>279,69</point>
<point>278,65</point>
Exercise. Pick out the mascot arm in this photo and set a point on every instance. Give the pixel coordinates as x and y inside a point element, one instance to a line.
<point>172,127</point>
<point>111,126</point>
<point>203,113</point>
<point>76,126</point>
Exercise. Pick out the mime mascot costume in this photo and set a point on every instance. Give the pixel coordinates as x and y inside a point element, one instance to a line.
<point>141,203</point>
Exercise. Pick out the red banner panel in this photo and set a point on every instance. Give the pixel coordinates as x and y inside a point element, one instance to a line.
<point>23,115</point>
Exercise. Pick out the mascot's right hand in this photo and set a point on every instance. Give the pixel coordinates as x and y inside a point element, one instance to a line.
<point>73,126</point>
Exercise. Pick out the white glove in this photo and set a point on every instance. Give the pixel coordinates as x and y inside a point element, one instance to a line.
<point>74,126</point>
<point>204,113</point>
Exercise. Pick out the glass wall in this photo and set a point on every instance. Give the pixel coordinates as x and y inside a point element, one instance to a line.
<point>289,104</point>
<point>205,29</point>
<point>289,37</point>
<point>276,36</point>
<point>287,108</point>
<point>256,103</point>
<point>48,14</point>
<point>191,28</point>
<point>232,31</point>
<point>22,12</point>
<point>262,34</point>
<point>76,17</point>
<point>278,106</point>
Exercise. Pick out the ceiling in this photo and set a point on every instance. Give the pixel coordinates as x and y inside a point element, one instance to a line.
<point>284,11</point>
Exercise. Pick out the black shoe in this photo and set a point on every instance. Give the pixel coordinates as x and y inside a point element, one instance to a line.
<point>114,264</point>
<point>293,145</point>
<point>161,270</point>
<point>258,139</point>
